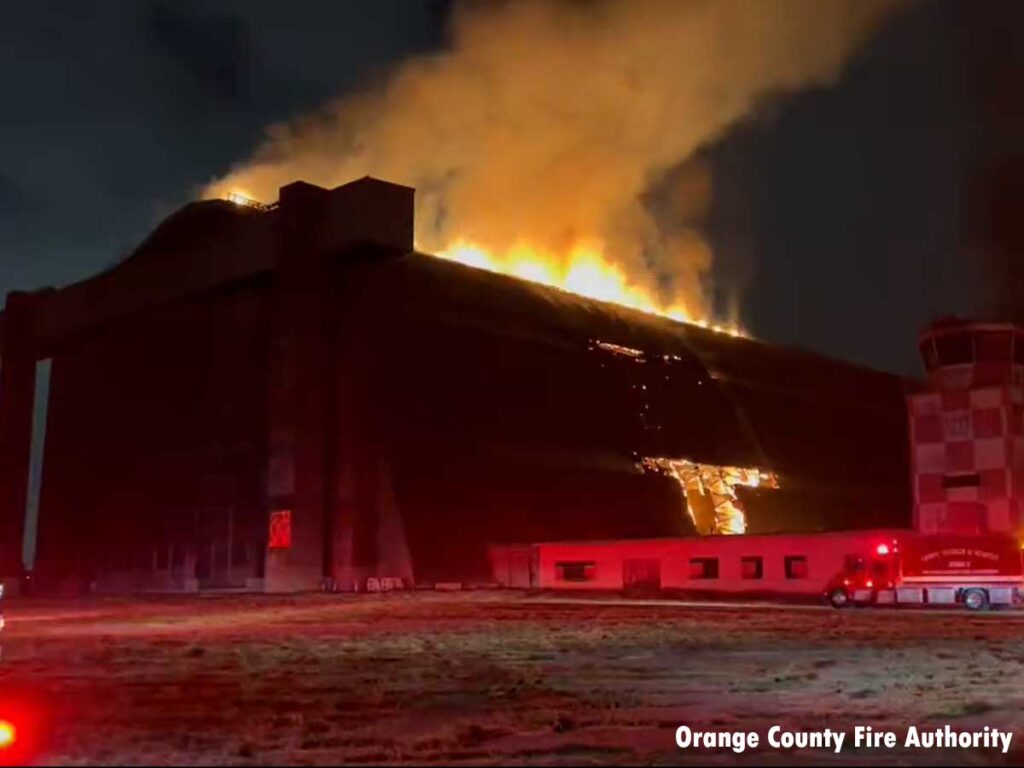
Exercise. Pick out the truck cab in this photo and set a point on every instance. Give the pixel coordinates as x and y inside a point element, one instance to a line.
<point>861,577</point>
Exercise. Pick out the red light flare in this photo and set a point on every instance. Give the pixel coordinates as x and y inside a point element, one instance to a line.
<point>14,750</point>
<point>882,549</point>
<point>8,734</point>
<point>26,720</point>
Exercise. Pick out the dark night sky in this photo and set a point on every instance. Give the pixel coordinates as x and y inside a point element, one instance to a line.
<point>842,212</point>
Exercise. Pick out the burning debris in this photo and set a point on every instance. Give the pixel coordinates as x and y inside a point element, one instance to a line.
<point>247,202</point>
<point>704,483</point>
<point>618,349</point>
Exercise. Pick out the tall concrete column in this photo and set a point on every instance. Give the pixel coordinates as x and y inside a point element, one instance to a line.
<point>298,378</point>
<point>313,429</point>
<point>17,388</point>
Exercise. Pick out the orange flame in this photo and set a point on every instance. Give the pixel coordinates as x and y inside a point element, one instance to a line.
<point>585,271</point>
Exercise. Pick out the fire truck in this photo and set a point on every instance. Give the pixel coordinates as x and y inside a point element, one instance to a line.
<point>977,572</point>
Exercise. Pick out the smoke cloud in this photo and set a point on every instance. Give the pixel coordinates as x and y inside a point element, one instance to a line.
<point>545,123</point>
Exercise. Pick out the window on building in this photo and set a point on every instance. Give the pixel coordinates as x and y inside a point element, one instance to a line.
<point>796,567</point>
<point>931,358</point>
<point>752,567</point>
<point>967,480</point>
<point>1018,349</point>
<point>703,567</point>
<point>955,348</point>
<point>575,570</point>
<point>993,345</point>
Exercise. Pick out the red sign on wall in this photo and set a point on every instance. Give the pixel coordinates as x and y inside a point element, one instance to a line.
<point>281,529</point>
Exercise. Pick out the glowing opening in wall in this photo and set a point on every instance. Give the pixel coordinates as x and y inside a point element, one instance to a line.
<point>280,529</point>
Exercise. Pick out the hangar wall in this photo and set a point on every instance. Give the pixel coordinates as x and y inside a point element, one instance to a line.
<point>402,413</point>
<point>499,419</point>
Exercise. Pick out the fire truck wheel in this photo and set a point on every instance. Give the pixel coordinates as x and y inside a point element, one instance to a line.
<point>838,598</point>
<point>975,599</point>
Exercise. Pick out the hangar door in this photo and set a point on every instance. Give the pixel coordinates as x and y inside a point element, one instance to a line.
<point>225,553</point>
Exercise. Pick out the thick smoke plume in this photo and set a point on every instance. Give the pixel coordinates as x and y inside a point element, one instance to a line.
<point>545,122</point>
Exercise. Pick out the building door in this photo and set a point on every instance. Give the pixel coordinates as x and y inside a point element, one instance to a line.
<point>521,567</point>
<point>641,574</point>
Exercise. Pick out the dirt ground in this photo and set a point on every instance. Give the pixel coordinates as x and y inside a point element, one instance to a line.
<point>497,677</point>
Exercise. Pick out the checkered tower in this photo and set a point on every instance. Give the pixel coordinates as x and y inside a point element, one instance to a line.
<point>967,429</point>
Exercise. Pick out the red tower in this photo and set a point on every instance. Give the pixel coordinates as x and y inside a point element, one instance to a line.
<point>967,430</point>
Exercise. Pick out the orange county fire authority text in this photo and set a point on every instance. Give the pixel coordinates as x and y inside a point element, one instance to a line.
<point>863,737</point>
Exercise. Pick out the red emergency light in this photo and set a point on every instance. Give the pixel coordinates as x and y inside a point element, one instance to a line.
<point>24,727</point>
<point>8,734</point>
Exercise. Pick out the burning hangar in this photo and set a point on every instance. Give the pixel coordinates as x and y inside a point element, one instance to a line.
<point>285,397</point>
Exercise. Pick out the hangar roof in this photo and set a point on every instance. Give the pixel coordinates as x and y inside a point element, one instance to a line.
<point>779,401</point>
